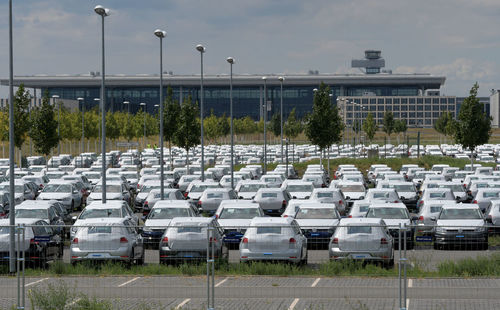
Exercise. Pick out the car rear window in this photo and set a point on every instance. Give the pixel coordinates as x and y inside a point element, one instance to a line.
<point>380,195</point>
<point>437,195</point>
<point>435,209</point>
<point>189,229</point>
<point>359,230</point>
<point>214,195</point>
<point>99,230</point>
<point>268,230</point>
<point>363,208</point>
<point>269,195</point>
<point>490,195</point>
<point>325,195</point>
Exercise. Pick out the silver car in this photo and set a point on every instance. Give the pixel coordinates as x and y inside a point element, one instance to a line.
<point>359,209</point>
<point>364,239</point>
<point>234,216</point>
<point>330,195</point>
<point>63,191</point>
<point>186,239</point>
<point>212,197</point>
<point>272,200</point>
<point>186,179</point>
<point>114,239</point>
<point>272,180</point>
<point>155,195</point>
<point>484,196</point>
<point>247,189</point>
<point>318,223</point>
<point>273,239</point>
<point>298,189</point>
<point>196,189</point>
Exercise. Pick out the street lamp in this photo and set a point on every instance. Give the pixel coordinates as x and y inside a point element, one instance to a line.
<point>12,247</point>
<point>265,120</point>
<point>54,98</point>
<point>127,103</point>
<point>281,114</point>
<point>81,103</point>
<point>230,60</point>
<point>200,48</point>
<point>143,104</point>
<point>161,34</point>
<point>103,12</point>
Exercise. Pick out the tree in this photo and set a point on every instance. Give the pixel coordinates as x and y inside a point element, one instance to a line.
<point>369,127</point>
<point>43,130</point>
<point>388,124</point>
<point>445,124</point>
<point>473,126</point>
<point>400,127</point>
<point>22,100</point>
<point>275,124</point>
<point>187,134</point>
<point>324,125</point>
<point>171,119</point>
<point>211,130</point>
<point>224,125</point>
<point>112,127</point>
<point>292,127</point>
<point>356,126</point>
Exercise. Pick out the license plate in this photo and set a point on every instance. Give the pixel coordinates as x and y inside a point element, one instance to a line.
<point>315,235</point>
<point>96,255</point>
<point>460,236</point>
<point>268,253</point>
<point>188,256</point>
<point>361,256</point>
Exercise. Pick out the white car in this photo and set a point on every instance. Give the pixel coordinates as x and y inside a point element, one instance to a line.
<point>273,239</point>
<point>234,216</point>
<point>318,223</point>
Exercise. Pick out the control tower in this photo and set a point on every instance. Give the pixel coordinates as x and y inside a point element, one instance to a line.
<point>372,63</point>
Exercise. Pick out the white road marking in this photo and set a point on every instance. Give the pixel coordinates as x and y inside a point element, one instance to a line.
<point>221,282</point>
<point>128,282</point>
<point>407,303</point>
<point>294,303</point>
<point>36,282</point>
<point>183,303</point>
<point>410,282</point>
<point>315,282</point>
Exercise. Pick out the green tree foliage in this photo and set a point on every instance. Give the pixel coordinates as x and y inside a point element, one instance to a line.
<point>292,127</point>
<point>369,127</point>
<point>445,124</point>
<point>211,130</point>
<point>324,125</point>
<point>43,131</point>
<point>388,124</point>
<point>224,125</point>
<point>356,126</point>
<point>400,126</point>
<point>187,134</point>
<point>171,120</point>
<point>275,124</point>
<point>92,122</point>
<point>473,126</point>
<point>112,126</point>
<point>22,100</point>
<point>244,125</point>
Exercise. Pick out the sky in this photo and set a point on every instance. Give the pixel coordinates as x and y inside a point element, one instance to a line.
<point>458,39</point>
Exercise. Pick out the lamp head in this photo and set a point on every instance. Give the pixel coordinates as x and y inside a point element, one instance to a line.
<point>97,99</point>
<point>230,60</point>
<point>281,78</point>
<point>315,90</point>
<point>100,10</point>
<point>264,78</point>
<point>126,102</point>
<point>55,96</point>
<point>79,99</point>
<point>160,33</point>
<point>142,103</point>
<point>200,48</point>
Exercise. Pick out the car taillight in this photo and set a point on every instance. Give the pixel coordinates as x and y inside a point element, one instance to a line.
<point>245,240</point>
<point>186,194</point>
<point>199,204</point>
<point>475,201</point>
<point>123,240</point>
<point>284,203</point>
<point>383,241</point>
<point>335,241</point>
<point>213,239</point>
<point>285,215</point>
<point>164,240</point>
<point>465,185</point>
<point>350,216</point>
<point>421,202</point>
<point>340,202</point>
<point>323,185</point>
<point>421,218</point>
<point>75,241</point>
<point>396,201</point>
<point>292,240</point>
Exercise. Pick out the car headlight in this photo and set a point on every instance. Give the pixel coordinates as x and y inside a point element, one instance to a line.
<point>440,230</point>
<point>90,200</point>
<point>480,229</point>
<point>74,229</point>
<point>147,228</point>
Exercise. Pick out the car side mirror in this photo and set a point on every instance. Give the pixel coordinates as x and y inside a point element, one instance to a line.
<point>240,197</point>
<point>433,218</point>
<point>458,198</point>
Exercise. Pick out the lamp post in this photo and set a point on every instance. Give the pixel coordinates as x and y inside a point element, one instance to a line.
<point>143,104</point>
<point>12,240</point>
<point>103,12</point>
<point>200,48</point>
<point>281,114</point>
<point>127,103</point>
<point>98,100</point>
<point>265,121</point>
<point>54,98</point>
<point>230,60</point>
<point>82,104</point>
<point>161,34</point>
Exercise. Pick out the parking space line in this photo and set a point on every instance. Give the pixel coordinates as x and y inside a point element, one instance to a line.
<point>128,282</point>
<point>315,282</point>
<point>407,303</point>
<point>221,282</point>
<point>184,302</point>
<point>36,282</point>
<point>294,303</point>
<point>410,282</point>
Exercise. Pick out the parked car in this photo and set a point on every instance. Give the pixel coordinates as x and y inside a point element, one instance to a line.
<point>298,189</point>
<point>212,197</point>
<point>330,195</point>
<point>359,209</point>
<point>107,239</point>
<point>364,239</point>
<point>196,189</point>
<point>273,239</point>
<point>318,223</point>
<point>186,240</point>
<point>234,217</point>
<point>272,200</point>
<point>247,189</point>
<point>155,195</point>
<point>41,210</point>
<point>65,192</point>
<point>114,191</point>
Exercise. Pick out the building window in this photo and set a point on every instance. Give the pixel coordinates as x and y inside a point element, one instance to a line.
<point>435,114</point>
<point>435,100</point>
<point>420,108</point>
<point>404,115</point>
<point>405,108</point>
<point>411,121</point>
<point>373,108</point>
<point>435,107</point>
<point>451,107</point>
<point>396,108</point>
<point>428,121</point>
<point>396,115</point>
<point>404,101</point>
<point>373,101</point>
<point>427,100</point>
<point>364,101</point>
<point>428,107</point>
<point>412,108</point>
<point>420,114</point>
<point>388,108</point>
<point>427,114</point>
<point>381,101</point>
<point>395,100</point>
<point>412,114</point>
<point>420,101</point>
<point>380,115</point>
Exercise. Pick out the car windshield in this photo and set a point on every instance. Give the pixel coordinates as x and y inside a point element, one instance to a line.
<point>269,195</point>
<point>269,230</point>
<point>364,208</point>
<point>300,188</point>
<point>250,188</point>
<point>404,188</point>
<point>98,213</point>
<point>189,229</point>
<point>460,214</point>
<point>99,230</point>
<point>201,188</point>
<point>92,175</point>
<point>168,213</point>
<point>147,189</point>
<point>435,209</point>
<point>130,176</point>
<point>359,230</point>
<point>270,180</point>
<point>109,189</point>
<point>490,194</point>
<point>453,187</point>
<point>317,213</point>
<point>388,213</point>
<point>351,188</point>
<point>381,195</point>
<point>57,188</point>
<point>437,195</point>
<point>239,213</point>
<point>32,213</point>
<point>32,179</point>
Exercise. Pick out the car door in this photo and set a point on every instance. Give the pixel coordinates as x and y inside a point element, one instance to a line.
<point>299,236</point>
<point>133,234</point>
<point>50,238</point>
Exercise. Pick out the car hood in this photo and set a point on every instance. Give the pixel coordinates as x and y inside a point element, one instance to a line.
<point>300,195</point>
<point>54,196</point>
<point>141,196</point>
<point>393,223</point>
<point>234,223</point>
<point>317,223</point>
<point>460,223</point>
<point>110,196</point>
<point>163,223</point>
<point>247,195</point>
<point>195,196</point>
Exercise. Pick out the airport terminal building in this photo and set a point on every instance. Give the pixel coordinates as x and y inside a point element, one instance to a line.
<point>414,97</point>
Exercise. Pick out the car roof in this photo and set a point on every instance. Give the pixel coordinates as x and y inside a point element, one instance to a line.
<point>25,221</point>
<point>106,221</point>
<point>239,204</point>
<point>398,205</point>
<point>109,204</point>
<point>361,220</point>
<point>271,220</point>
<point>192,220</point>
<point>461,206</point>
<point>172,203</point>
